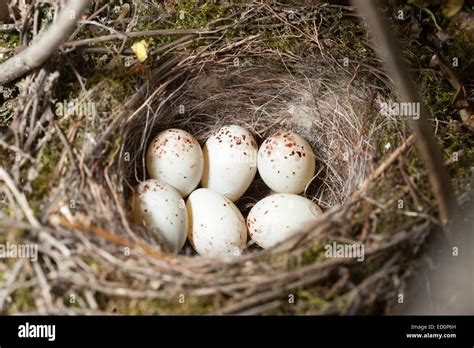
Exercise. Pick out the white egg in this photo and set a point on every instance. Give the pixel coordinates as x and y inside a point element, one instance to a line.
<point>162,211</point>
<point>286,162</point>
<point>230,161</point>
<point>216,226</point>
<point>280,216</point>
<point>174,157</point>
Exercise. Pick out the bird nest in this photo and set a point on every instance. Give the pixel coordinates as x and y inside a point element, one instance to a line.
<point>323,107</point>
<point>90,250</point>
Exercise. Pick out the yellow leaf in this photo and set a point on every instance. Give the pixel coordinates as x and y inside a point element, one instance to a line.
<point>140,50</point>
<point>452,7</point>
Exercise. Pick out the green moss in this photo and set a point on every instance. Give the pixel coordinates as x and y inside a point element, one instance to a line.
<point>68,302</point>
<point>125,306</point>
<point>22,301</point>
<point>313,254</point>
<point>459,148</point>
<point>117,84</point>
<point>312,299</point>
<point>9,41</point>
<point>387,140</point>
<point>41,186</point>
<point>437,95</point>
<point>285,42</point>
<point>187,16</point>
<point>184,14</point>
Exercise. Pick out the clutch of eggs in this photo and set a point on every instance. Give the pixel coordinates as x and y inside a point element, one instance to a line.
<point>225,167</point>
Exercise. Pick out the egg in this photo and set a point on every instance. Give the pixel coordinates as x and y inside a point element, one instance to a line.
<point>175,158</point>
<point>216,226</point>
<point>162,211</point>
<point>280,216</point>
<point>286,162</point>
<point>230,161</point>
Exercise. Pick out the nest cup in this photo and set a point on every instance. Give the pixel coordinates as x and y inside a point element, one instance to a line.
<point>322,103</point>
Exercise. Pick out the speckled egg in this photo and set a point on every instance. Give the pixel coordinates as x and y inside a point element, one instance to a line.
<point>216,226</point>
<point>230,161</point>
<point>286,162</point>
<point>279,216</point>
<point>161,210</point>
<point>174,157</point>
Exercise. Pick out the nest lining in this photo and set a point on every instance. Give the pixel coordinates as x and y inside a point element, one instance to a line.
<point>326,107</point>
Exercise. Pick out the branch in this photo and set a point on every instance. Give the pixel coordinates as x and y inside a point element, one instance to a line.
<point>36,54</point>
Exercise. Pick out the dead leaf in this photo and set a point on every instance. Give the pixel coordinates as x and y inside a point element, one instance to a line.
<point>138,69</point>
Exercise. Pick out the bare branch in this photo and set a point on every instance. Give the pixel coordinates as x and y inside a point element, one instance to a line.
<point>36,54</point>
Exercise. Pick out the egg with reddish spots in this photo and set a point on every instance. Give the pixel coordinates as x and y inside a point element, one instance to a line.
<point>286,162</point>
<point>162,211</point>
<point>280,216</point>
<point>230,161</point>
<point>216,226</point>
<point>175,158</point>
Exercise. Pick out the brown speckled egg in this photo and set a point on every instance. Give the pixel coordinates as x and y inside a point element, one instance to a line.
<point>280,216</point>
<point>216,226</point>
<point>286,162</point>
<point>230,161</point>
<point>160,208</point>
<point>175,158</point>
